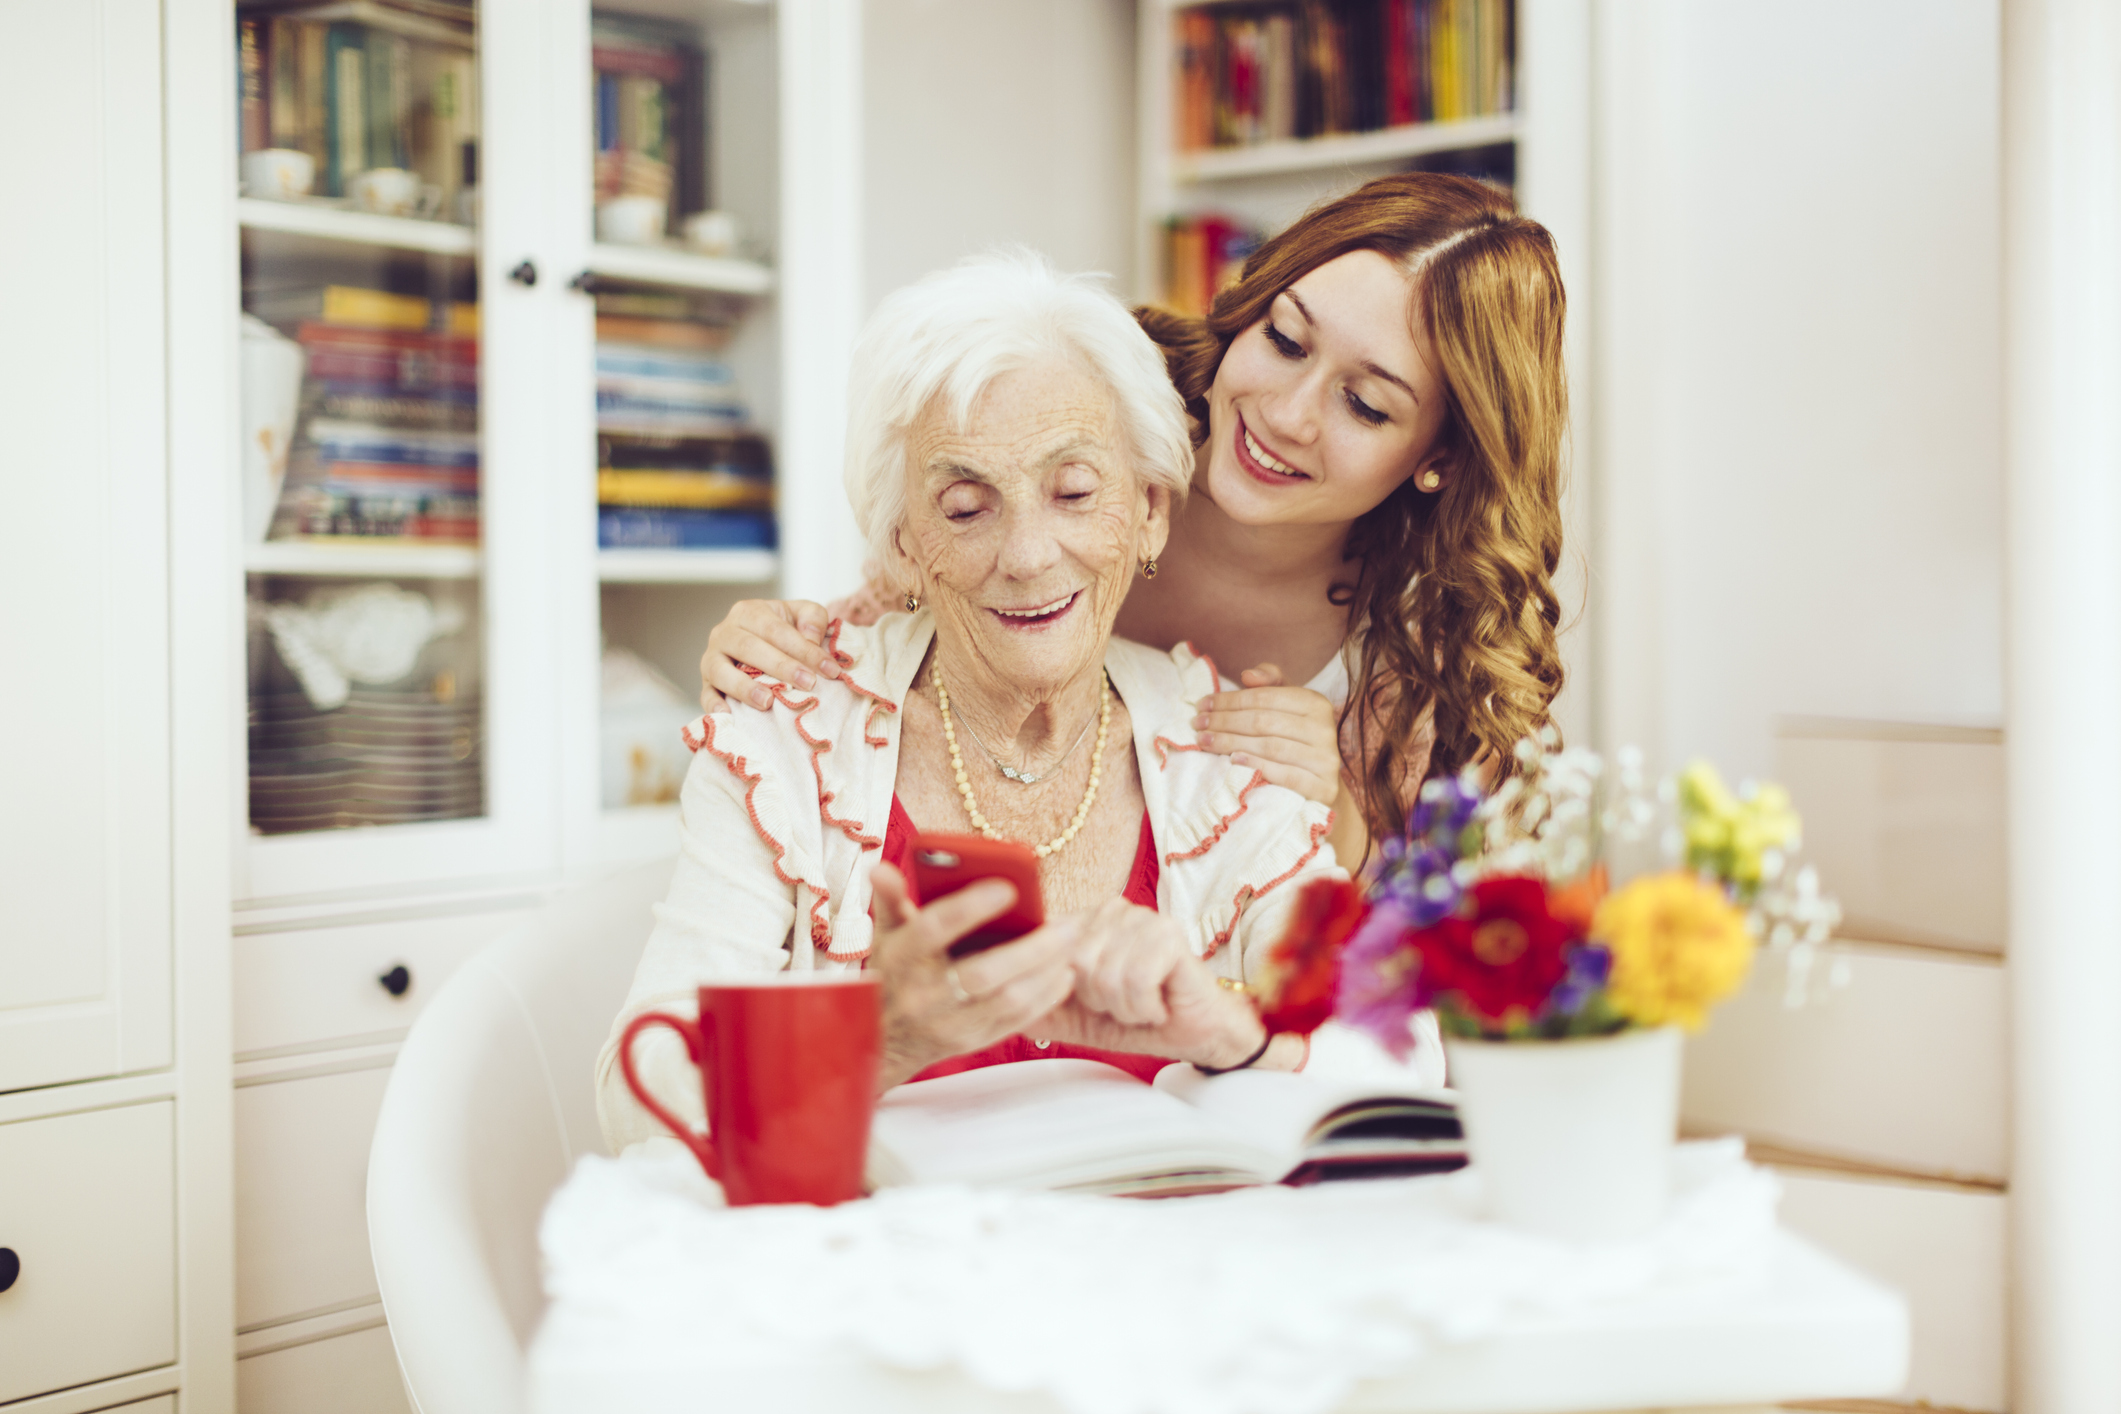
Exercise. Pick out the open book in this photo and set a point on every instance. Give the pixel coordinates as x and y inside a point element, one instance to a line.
<point>1087,1127</point>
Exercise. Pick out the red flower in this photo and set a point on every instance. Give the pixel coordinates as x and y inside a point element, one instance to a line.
<point>1303,968</point>
<point>1500,956</point>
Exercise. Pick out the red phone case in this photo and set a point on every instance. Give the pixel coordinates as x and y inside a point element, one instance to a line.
<point>943,864</point>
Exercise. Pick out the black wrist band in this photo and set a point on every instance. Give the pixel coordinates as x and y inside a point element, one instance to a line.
<point>1246,1064</point>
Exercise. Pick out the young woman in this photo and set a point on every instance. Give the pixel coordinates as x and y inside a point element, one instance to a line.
<point>1378,407</point>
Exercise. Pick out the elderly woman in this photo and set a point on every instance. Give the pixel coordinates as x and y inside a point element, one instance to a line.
<point>1015,451</point>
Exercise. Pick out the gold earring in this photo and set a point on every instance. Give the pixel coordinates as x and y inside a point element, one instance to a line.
<point>913,604</point>
<point>1148,569</point>
<point>1431,479</point>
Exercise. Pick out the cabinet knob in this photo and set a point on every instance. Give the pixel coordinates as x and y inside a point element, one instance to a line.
<point>397,981</point>
<point>10,1267</point>
<point>584,283</point>
<point>525,274</point>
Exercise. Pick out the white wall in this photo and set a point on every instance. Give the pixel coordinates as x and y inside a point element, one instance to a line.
<point>993,121</point>
<point>1798,419</point>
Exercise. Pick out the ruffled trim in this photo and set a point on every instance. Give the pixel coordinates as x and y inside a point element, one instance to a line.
<point>1222,826</point>
<point>1250,894</point>
<point>802,707</point>
<point>877,701</point>
<point>820,927</point>
<point>1165,746</point>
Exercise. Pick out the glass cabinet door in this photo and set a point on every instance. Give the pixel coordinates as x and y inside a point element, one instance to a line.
<point>360,362</point>
<point>368,454</point>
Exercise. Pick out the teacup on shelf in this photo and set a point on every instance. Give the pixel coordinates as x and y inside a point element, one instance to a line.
<point>632,220</point>
<point>278,173</point>
<point>392,191</point>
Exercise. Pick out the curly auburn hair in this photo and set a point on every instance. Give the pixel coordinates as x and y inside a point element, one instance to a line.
<point>1455,587</point>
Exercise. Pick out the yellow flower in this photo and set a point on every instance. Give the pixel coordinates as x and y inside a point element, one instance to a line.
<point>1727,836</point>
<point>1679,947</point>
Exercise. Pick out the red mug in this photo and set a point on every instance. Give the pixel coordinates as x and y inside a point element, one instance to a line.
<point>788,1063</point>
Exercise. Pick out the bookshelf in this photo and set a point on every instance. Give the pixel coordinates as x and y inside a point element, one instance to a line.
<point>1349,150</point>
<point>1235,136</point>
<point>687,566</point>
<point>317,222</point>
<point>678,269</point>
<point>362,561</point>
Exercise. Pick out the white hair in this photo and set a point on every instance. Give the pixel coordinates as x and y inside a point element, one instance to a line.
<point>954,332</point>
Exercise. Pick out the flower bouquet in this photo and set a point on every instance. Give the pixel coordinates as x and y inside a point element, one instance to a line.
<point>1561,999</point>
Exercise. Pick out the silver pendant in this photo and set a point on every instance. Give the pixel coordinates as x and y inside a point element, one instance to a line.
<point>1019,777</point>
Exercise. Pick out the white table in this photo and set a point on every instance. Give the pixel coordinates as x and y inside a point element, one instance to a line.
<point>1810,1328</point>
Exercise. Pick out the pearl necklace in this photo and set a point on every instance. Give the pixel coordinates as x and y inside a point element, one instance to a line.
<point>964,783</point>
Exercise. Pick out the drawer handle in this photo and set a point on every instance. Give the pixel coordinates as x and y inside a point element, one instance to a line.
<point>397,981</point>
<point>10,1267</point>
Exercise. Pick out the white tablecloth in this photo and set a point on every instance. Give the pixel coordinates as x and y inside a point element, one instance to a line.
<point>1265,1301</point>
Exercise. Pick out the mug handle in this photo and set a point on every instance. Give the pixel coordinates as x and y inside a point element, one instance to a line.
<point>695,1035</point>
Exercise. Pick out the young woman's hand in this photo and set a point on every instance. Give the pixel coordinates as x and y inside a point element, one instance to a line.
<point>935,1008</point>
<point>1291,735</point>
<point>781,638</point>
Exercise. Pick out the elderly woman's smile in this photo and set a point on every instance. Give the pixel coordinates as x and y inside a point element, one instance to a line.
<point>1024,523</point>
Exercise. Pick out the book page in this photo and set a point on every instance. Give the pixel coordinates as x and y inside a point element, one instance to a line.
<point>1051,1124</point>
<point>1295,1113</point>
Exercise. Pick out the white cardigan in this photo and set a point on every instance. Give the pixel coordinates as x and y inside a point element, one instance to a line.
<point>784,812</point>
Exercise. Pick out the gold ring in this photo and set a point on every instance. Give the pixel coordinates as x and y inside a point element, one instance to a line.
<point>957,988</point>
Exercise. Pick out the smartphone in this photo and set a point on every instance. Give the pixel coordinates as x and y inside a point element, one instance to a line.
<point>943,864</point>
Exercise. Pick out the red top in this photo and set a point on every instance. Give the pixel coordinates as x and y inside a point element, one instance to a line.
<point>1141,889</point>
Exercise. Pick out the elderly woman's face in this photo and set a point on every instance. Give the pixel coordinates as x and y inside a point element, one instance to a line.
<point>1024,527</point>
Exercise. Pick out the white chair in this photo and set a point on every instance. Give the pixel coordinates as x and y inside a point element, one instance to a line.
<point>490,1103</point>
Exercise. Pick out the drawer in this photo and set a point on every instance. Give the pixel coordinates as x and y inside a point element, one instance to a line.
<point>301,1187</point>
<point>160,1404</point>
<point>1906,1066</point>
<point>299,988</point>
<point>87,1204</point>
<point>1945,1250</point>
<point>355,1373</point>
<point>1907,832</point>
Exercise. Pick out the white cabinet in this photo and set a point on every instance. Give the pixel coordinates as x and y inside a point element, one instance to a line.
<point>113,1040</point>
<point>84,595</point>
<point>301,1190</point>
<point>85,1211</point>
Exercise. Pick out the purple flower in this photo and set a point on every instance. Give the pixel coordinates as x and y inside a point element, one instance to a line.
<point>1380,978</point>
<point>1589,966</point>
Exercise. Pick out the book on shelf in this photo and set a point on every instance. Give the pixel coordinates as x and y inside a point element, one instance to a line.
<point>360,84</point>
<point>649,389</point>
<point>649,82</point>
<point>683,334</point>
<point>392,361</point>
<point>1085,1126</point>
<point>672,528</point>
<point>398,446</point>
<point>1274,72</point>
<point>697,306</point>
<point>354,307</point>
<point>744,454</point>
<point>695,490</point>
<point>1203,256</point>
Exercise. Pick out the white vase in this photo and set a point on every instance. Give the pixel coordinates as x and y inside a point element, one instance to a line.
<point>1572,1139</point>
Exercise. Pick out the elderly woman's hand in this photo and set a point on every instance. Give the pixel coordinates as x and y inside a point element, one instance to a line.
<point>1139,988</point>
<point>1291,735</point>
<point>934,1008</point>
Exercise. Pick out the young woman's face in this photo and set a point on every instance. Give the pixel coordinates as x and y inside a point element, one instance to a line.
<point>1321,409</point>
